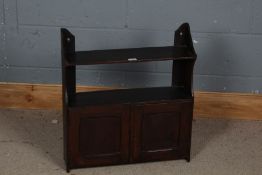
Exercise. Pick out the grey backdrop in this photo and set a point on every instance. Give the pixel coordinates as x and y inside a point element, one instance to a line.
<point>227,36</point>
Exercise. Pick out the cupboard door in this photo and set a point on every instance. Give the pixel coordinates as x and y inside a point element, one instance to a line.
<point>161,131</point>
<point>98,135</point>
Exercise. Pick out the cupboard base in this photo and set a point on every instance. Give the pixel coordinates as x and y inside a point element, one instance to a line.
<point>128,133</point>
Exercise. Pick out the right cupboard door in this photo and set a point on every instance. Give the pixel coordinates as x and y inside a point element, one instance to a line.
<point>161,131</point>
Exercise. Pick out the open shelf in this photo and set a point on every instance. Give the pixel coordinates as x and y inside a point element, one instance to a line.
<point>138,95</point>
<point>131,55</point>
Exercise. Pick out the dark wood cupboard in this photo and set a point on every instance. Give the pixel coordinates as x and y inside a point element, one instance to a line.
<point>128,125</point>
<point>161,131</point>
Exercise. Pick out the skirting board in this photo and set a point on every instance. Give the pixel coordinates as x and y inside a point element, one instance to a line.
<point>207,104</point>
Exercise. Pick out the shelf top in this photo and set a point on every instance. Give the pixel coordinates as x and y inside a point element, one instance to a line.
<point>131,55</point>
<point>138,95</point>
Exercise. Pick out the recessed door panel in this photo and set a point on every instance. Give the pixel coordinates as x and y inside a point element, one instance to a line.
<point>99,135</point>
<point>161,131</point>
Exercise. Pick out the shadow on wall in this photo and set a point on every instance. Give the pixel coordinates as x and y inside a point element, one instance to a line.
<point>130,75</point>
<point>214,64</point>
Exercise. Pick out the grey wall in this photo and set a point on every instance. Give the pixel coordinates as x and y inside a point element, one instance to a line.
<point>227,36</point>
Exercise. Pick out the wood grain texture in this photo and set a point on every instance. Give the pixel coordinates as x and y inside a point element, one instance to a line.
<point>207,104</point>
<point>228,105</point>
<point>35,96</point>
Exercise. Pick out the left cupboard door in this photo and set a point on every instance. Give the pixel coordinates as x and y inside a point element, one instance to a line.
<point>98,136</point>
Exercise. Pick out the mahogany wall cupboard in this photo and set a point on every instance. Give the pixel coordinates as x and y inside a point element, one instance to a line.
<point>128,125</point>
